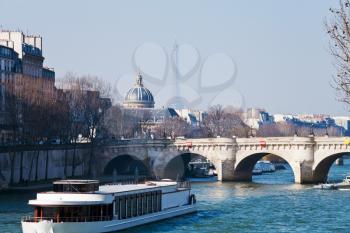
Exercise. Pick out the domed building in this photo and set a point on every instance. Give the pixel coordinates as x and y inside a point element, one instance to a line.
<point>138,96</point>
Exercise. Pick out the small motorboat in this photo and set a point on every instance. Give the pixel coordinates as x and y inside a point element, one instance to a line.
<point>326,186</point>
<point>344,185</point>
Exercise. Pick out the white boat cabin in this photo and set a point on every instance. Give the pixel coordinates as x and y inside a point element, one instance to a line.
<point>86,201</point>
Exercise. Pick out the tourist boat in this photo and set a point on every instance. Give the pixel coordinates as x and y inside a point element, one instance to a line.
<point>280,166</point>
<point>344,185</point>
<point>265,166</point>
<point>201,169</point>
<point>82,206</point>
<point>257,171</point>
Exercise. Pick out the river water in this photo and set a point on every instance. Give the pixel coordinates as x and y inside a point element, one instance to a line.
<point>272,203</point>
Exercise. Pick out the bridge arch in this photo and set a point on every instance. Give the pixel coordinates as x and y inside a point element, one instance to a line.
<point>244,166</point>
<point>176,164</point>
<point>126,164</point>
<point>322,167</point>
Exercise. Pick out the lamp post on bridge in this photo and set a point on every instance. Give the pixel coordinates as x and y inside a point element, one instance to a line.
<point>295,131</point>
<point>312,130</point>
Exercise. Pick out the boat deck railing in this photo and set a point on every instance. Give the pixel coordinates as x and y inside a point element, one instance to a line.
<point>126,179</point>
<point>67,219</point>
<point>183,184</point>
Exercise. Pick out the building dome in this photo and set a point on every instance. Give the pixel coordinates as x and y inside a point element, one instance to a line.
<point>139,96</point>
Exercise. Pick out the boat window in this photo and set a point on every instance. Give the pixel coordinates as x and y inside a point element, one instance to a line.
<point>128,206</point>
<point>122,208</point>
<point>154,202</point>
<point>139,204</point>
<point>74,213</point>
<point>149,203</point>
<point>159,198</point>
<point>134,206</point>
<point>49,212</point>
<point>116,207</point>
<point>144,204</point>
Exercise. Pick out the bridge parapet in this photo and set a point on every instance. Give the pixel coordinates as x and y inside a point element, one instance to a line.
<point>274,143</point>
<point>326,145</point>
<point>275,140</point>
<point>211,141</point>
<point>332,141</point>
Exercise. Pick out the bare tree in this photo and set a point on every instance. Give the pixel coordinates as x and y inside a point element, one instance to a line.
<point>224,122</point>
<point>279,129</point>
<point>338,29</point>
<point>32,106</point>
<point>86,108</point>
<point>286,129</point>
<point>214,122</point>
<point>172,127</point>
<point>268,130</point>
<point>123,123</point>
<point>333,131</point>
<point>83,94</point>
<point>12,107</point>
<point>112,122</point>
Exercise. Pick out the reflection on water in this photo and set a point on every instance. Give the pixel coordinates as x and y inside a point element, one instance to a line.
<point>279,177</point>
<point>273,203</point>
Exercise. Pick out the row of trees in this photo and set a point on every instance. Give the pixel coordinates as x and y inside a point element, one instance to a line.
<point>227,122</point>
<point>37,110</point>
<point>219,121</point>
<point>31,108</point>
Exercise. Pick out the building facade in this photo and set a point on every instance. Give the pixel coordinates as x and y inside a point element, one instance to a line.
<point>21,62</point>
<point>9,70</point>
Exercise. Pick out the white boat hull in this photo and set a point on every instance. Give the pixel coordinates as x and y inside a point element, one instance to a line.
<point>104,226</point>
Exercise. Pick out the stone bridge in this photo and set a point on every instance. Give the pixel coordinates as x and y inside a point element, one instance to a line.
<point>310,158</point>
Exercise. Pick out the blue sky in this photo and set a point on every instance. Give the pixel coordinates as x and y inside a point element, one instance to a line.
<point>279,47</point>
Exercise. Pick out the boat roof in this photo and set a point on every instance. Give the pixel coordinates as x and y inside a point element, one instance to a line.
<point>117,188</point>
<point>104,195</point>
<point>263,161</point>
<point>76,182</point>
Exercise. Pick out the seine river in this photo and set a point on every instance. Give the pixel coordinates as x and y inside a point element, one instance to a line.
<point>271,204</point>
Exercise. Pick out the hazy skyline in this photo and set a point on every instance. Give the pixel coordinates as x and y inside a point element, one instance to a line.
<point>280,48</point>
